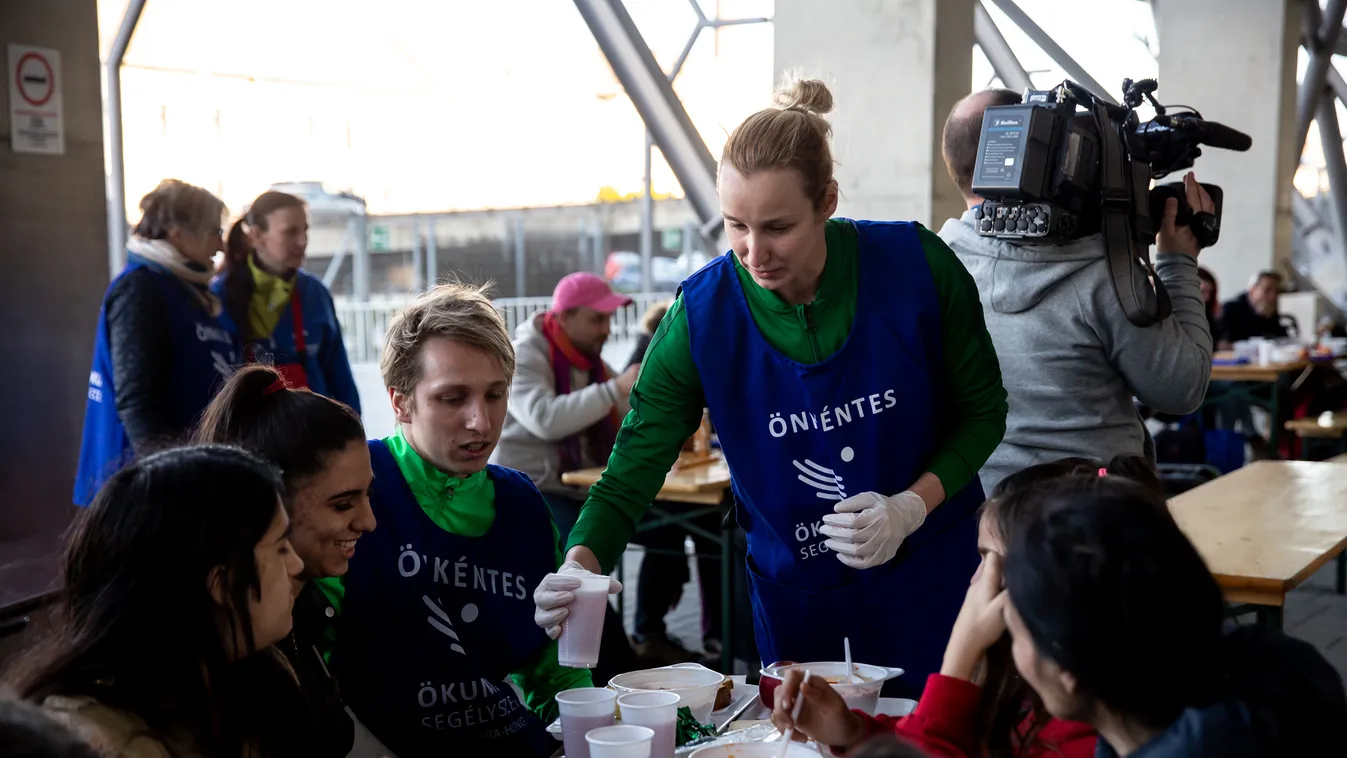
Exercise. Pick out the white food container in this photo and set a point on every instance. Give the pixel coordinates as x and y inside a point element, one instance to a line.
<point>696,686</point>
<point>862,696</point>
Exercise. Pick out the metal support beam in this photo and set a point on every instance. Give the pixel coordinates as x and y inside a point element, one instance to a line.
<point>1330,135</point>
<point>360,267</point>
<point>1336,83</point>
<point>112,101</point>
<point>1074,70</point>
<point>648,220</point>
<point>334,265</point>
<point>520,283</point>
<point>998,51</point>
<point>647,192</point>
<point>1319,39</point>
<point>432,254</point>
<point>418,257</point>
<point>653,95</point>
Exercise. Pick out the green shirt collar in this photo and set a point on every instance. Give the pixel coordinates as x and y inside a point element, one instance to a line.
<point>429,485</point>
<point>831,284</point>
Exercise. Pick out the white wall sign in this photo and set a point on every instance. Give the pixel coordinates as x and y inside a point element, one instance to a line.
<point>35,100</point>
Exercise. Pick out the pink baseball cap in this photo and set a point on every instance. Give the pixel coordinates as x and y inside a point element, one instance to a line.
<point>583,289</point>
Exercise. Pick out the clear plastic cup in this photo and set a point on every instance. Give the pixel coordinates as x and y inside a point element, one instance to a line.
<point>582,629</point>
<point>656,710</point>
<point>624,741</point>
<point>582,710</point>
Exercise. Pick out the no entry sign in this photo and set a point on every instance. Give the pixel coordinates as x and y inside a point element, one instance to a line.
<point>35,103</point>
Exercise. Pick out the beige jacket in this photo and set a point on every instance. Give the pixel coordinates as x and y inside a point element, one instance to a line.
<point>538,419</point>
<point>115,732</point>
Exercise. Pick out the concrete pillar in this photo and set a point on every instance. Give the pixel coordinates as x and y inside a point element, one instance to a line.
<point>1235,61</point>
<point>895,68</point>
<point>54,249</point>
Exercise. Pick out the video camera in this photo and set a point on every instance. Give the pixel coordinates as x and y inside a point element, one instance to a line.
<point>1049,173</point>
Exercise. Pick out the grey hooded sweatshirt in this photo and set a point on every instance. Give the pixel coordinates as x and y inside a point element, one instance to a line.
<point>1070,360</point>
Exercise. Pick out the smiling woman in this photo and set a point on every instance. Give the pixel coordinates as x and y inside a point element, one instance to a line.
<point>319,446</point>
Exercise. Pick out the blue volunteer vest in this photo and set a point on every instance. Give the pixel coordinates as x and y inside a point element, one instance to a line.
<point>432,622</point>
<point>799,438</point>
<point>318,327</point>
<point>204,353</point>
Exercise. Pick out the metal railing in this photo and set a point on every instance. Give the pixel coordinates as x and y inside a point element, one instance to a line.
<point>363,325</point>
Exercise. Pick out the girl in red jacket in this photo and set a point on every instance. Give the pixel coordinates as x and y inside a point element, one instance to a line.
<point>978,706</point>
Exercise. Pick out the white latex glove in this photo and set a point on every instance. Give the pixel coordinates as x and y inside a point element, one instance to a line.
<point>555,592</point>
<point>866,530</point>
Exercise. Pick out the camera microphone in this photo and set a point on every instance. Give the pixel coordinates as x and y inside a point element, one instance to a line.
<point>1211,133</point>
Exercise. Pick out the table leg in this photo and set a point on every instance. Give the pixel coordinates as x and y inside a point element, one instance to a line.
<point>1269,616</point>
<point>1274,432</point>
<point>726,604</point>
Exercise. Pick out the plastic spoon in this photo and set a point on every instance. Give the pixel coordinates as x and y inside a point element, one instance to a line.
<point>846,652</point>
<point>794,714</point>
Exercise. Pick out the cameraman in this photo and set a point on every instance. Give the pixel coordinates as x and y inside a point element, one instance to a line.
<point>1070,360</point>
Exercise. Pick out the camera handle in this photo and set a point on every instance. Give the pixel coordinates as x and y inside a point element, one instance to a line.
<point>1142,295</point>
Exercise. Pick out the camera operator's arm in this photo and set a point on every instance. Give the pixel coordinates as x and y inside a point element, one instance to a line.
<point>1167,365</point>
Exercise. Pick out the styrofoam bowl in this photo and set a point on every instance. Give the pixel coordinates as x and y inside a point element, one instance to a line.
<point>862,696</point>
<point>755,750</point>
<point>696,686</point>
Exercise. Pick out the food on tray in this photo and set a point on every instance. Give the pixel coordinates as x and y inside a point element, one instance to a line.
<point>724,694</point>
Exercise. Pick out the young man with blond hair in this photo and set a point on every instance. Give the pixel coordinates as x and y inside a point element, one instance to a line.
<point>436,609</point>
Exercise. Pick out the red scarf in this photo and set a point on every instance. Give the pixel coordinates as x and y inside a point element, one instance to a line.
<point>566,357</point>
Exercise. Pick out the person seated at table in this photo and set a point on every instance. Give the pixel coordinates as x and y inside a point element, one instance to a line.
<point>435,611</point>
<point>1118,623</point>
<point>176,588</point>
<point>564,410</point>
<point>978,704</point>
<point>319,445</point>
<point>1254,313</point>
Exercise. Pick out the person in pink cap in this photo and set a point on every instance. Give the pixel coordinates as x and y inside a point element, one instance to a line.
<point>564,410</point>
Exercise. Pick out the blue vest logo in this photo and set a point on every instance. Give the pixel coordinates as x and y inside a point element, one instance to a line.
<point>462,575</point>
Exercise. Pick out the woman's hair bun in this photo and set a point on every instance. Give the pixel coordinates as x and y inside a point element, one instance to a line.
<point>809,95</point>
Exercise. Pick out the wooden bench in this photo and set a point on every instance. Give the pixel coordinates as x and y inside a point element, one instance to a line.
<point>1325,426</point>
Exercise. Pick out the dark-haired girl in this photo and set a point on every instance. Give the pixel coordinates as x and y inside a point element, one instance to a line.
<point>176,588</point>
<point>1118,623</point>
<point>977,705</point>
<point>319,445</point>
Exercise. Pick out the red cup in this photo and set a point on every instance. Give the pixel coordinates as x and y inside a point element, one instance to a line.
<point>768,682</point>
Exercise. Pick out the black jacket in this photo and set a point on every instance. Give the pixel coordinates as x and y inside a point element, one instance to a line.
<point>322,705</point>
<point>1284,701</point>
<point>1239,321</point>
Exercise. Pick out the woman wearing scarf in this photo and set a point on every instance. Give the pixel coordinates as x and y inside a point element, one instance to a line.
<point>285,315</point>
<point>163,346</point>
<point>565,408</point>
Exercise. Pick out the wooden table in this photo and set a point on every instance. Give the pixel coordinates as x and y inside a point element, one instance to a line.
<point>1265,528</point>
<point>701,485</point>
<point>1253,372</point>
<point>1258,380</point>
<point>705,485</point>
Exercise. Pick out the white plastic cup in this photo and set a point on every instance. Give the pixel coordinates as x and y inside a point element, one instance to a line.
<point>582,629</point>
<point>623,741</point>
<point>657,710</point>
<point>582,710</point>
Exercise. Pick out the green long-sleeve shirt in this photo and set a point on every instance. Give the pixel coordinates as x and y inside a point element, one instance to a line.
<point>467,507</point>
<point>667,401</point>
